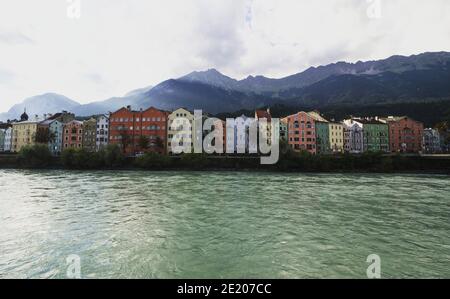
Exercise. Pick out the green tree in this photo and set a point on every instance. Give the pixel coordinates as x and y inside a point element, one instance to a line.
<point>35,156</point>
<point>159,143</point>
<point>143,142</point>
<point>112,156</point>
<point>125,140</point>
<point>153,161</point>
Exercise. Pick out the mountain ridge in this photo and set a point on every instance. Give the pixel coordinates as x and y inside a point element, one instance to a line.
<point>393,79</point>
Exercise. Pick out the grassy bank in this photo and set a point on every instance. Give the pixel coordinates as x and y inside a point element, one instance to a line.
<point>38,157</point>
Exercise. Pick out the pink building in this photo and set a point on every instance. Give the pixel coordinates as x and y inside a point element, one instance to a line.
<point>73,134</point>
<point>301,132</point>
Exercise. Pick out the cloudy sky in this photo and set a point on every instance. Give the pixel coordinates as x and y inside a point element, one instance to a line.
<point>110,47</point>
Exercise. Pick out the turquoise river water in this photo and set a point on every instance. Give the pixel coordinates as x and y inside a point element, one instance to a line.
<point>222,224</point>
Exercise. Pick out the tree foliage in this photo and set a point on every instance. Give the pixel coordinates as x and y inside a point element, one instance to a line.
<point>35,156</point>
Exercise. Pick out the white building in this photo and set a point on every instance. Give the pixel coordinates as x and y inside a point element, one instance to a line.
<point>56,129</point>
<point>431,141</point>
<point>8,140</point>
<point>353,136</point>
<point>102,132</point>
<point>238,135</point>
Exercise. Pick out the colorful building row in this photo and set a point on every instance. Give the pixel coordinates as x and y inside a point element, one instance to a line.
<point>152,130</point>
<point>60,131</point>
<point>311,132</point>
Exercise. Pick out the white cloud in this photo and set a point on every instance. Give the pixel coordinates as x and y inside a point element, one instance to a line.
<point>119,45</point>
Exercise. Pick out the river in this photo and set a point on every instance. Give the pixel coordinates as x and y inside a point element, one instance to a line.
<point>222,224</point>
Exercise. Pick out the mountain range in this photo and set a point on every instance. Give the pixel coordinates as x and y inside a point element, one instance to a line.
<point>397,79</point>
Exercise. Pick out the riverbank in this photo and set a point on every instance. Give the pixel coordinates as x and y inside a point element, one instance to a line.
<point>366,163</point>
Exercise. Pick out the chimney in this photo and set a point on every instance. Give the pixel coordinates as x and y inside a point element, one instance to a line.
<point>129,107</point>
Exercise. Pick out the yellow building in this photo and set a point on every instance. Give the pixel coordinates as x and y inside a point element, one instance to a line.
<point>337,137</point>
<point>23,134</point>
<point>177,122</point>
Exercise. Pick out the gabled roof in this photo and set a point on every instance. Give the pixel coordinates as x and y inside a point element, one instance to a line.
<point>28,122</point>
<point>121,109</point>
<point>156,109</point>
<point>46,122</point>
<point>74,122</point>
<point>371,122</point>
<point>316,115</point>
<point>55,116</point>
<point>182,109</point>
<point>263,114</point>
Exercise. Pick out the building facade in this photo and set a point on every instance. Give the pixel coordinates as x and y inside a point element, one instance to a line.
<point>102,137</point>
<point>7,147</point>
<point>445,141</point>
<point>2,139</point>
<point>239,141</point>
<point>431,141</point>
<point>24,134</point>
<point>267,127</point>
<point>56,130</point>
<point>89,140</point>
<point>219,125</point>
<point>376,135</point>
<point>73,135</point>
<point>336,137</point>
<point>302,132</point>
<point>353,136</point>
<point>128,127</point>
<point>405,134</point>
<point>323,133</point>
<point>323,137</point>
<point>181,123</point>
<point>283,130</point>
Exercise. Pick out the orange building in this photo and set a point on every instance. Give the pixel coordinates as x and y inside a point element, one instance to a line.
<point>405,134</point>
<point>73,135</point>
<point>301,132</point>
<point>139,131</point>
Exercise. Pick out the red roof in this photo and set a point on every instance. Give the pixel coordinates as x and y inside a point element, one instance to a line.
<point>263,114</point>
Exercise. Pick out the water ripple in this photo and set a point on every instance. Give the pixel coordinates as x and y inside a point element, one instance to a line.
<point>222,225</point>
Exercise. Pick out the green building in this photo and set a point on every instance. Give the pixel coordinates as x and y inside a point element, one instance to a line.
<point>283,130</point>
<point>376,136</point>
<point>323,137</point>
<point>90,135</point>
<point>2,139</point>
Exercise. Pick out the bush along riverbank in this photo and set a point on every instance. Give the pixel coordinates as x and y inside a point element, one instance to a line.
<point>111,157</point>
